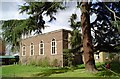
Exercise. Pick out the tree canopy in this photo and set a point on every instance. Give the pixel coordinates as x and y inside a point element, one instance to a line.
<point>13,29</point>
<point>106,26</point>
<point>106,33</point>
<point>37,10</point>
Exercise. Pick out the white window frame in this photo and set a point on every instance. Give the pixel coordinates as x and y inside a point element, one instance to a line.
<point>54,46</point>
<point>97,56</point>
<point>24,50</point>
<point>41,42</point>
<point>33,49</point>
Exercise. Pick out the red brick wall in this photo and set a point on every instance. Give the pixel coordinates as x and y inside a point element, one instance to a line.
<point>59,35</point>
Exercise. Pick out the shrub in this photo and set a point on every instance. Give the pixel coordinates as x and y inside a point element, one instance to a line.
<point>32,62</point>
<point>45,62</point>
<point>12,61</point>
<point>55,62</point>
<point>39,62</point>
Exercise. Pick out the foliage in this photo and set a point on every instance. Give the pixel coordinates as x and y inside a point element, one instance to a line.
<point>36,10</point>
<point>75,41</point>
<point>45,62</point>
<point>12,30</point>
<point>106,35</point>
<point>54,63</point>
<point>32,62</point>
<point>40,62</point>
<point>113,72</point>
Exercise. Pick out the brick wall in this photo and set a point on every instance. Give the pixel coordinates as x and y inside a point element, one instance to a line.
<point>60,36</point>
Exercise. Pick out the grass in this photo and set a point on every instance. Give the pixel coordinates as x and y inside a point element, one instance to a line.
<point>21,70</point>
<point>79,71</point>
<point>75,73</point>
<point>34,71</point>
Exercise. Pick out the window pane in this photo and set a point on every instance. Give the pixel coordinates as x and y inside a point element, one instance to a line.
<point>23,50</point>
<point>54,50</point>
<point>41,45</point>
<point>31,52</point>
<point>41,42</point>
<point>53,39</point>
<point>41,51</point>
<point>53,46</point>
<point>32,49</point>
<point>53,43</point>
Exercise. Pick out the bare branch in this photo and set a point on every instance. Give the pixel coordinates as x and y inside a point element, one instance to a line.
<point>115,16</point>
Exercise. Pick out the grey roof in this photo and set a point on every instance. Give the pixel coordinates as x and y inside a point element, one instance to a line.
<point>7,57</point>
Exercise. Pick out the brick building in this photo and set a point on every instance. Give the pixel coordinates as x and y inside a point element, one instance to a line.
<point>45,46</point>
<point>50,46</point>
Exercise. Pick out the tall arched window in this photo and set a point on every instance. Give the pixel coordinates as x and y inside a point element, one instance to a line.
<point>41,48</point>
<point>31,49</point>
<point>53,47</point>
<point>23,50</point>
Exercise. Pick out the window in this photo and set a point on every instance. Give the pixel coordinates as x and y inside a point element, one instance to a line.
<point>31,49</point>
<point>53,47</point>
<point>106,56</point>
<point>23,50</point>
<point>41,48</point>
<point>97,56</point>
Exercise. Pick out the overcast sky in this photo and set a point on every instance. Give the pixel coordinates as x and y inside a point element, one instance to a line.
<point>10,10</point>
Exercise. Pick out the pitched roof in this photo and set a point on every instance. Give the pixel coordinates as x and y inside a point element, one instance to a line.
<point>7,57</point>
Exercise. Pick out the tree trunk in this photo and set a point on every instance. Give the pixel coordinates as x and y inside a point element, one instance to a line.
<point>87,41</point>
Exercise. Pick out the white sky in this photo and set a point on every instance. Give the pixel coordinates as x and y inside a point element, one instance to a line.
<point>9,10</point>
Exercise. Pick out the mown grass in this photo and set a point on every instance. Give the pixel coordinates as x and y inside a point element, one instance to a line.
<point>22,70</point>
<point>79,71</point>
<point>33,71</point>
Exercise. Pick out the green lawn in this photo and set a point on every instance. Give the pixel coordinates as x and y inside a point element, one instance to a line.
<point>75,73</point>
<point>36,71</point>
<point>31,71</point>
<point>22,71</point>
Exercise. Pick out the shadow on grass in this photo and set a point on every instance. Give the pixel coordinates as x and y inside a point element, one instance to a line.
<point>115,67</point>
<point>58,70</point>
<point>52,71</point>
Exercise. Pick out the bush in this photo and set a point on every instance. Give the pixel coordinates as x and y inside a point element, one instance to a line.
<point>55,62</point>
<point>45,62</point>
<point>11,61</point>
<point>41,62</point>
<point>31,61</point>
<point>115,66</point>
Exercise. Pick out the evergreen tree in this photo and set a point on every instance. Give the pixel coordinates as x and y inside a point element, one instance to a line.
<point>75,42</point>
<point>106,26</point>
<point>107,13</point>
